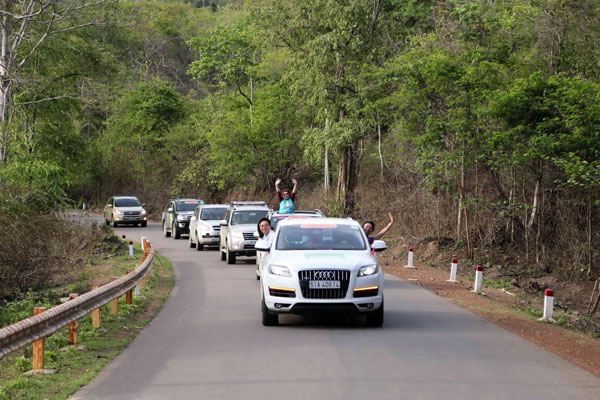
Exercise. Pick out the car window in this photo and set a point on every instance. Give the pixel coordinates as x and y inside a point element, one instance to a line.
<point>315,236</point>
<point>247,217</point>
<point>127,202</point>
<point>213,213</point>
<point>188,205</point>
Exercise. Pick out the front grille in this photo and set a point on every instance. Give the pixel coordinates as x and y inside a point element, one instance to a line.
<point>248,247</point>
<point>249,236</point>
<point>317,275</point>
<point>132,213</point>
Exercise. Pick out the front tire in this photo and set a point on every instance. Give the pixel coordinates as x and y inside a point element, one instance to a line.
<point>375,318</point>
<point>192,244</point>
<point>115,224</point>
<point>165,231</point>
<point>268,319</point>
<point>175,232</point>
<point>144,224</point>
<point>230,256</point>
<point>199,247</point>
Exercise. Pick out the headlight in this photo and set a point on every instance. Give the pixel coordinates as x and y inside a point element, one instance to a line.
<point>118,212</point>
<point>279,270</point>
<point>181,218</point>
<point>237,235</point>
<point>144,212</point>
<point>368,270</point>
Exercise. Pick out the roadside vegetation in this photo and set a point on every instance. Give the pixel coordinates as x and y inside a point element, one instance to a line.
<point>475,123</point>
<point>75,367</point>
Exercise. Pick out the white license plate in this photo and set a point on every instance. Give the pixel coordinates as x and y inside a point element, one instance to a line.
<point>324,284</point>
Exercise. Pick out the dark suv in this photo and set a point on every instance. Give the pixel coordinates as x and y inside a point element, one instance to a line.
<point>176,216</point>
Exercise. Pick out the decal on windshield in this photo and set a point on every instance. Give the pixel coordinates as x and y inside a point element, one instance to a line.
<point>313,226</point>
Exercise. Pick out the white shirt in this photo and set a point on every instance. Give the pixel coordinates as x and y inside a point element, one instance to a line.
<point>269,238</point>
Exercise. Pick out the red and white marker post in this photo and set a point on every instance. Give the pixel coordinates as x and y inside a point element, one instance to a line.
<point>143,243</point>
<point>478,279</point>
<point>131,249</point>
<point>123,238</point>
<point>453,269</point>
<point>548,306</point>
<point>410,259</point>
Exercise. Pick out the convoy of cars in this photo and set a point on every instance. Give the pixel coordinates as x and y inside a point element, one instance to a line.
<point>314,264</point>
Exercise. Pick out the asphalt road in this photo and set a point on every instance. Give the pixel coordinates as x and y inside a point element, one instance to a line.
<point>208,343</point>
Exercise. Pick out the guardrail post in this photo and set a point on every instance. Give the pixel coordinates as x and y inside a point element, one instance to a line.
<point>38,346</point>
<point>96,314</point>
<point>129,293</point>
<point>73,325</point>
<point>114,303</point>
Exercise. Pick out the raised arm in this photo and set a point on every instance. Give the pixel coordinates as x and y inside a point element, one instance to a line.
<point>386,228</point>
<point>295,182</point>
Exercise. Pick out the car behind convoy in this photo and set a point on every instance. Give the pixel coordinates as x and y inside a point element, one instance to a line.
<point>125,210</point>
<point>204,225</point>
<point>321,265</point>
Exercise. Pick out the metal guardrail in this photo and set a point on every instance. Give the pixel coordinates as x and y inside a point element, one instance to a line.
<point>27,331</point>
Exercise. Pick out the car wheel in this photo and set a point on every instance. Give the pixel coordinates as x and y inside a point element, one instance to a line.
<point>268,319</point>
<point>176,234</point>
<point>375,318</point>
<point>192,244</point>
<point>223,256</point>
<point>230,256</point>
<point>107,222</point>
<point>115,224</point>
<point>136,224</point>
<point>199,247</point>
<point>165,231</point>
<point>144,224</point>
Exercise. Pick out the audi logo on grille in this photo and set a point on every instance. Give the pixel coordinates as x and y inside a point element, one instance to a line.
<point>324,275</point>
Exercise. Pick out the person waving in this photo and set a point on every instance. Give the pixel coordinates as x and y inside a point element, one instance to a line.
<point>285,197</point>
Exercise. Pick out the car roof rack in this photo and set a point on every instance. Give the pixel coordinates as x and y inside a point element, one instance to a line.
<point>248,203</point>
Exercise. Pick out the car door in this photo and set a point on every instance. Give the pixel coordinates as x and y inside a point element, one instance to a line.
<point>224,229</point>
<point>108,209</point>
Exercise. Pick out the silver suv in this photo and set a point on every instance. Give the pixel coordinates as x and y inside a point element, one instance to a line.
<point>125,210</point>
<point>237,229</point>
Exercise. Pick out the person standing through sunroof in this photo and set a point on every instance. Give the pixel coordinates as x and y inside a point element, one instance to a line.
<point>285,197</point>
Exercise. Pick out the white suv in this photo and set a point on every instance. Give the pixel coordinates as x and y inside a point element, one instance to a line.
<point>125,210</point>
<point>204,225</point>
<point>316,265</point>
<point>237,229</point>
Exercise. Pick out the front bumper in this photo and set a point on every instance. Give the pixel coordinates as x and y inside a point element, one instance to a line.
<point>127,219</point>
<point>208,239</point>
<point>285,295</point>
<point>243,247</point>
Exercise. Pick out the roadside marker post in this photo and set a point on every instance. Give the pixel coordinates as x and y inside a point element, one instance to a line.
<point>548,306</point>
<point>453,269</point>
<point>410,263</point>
<point>131,249</point>
<point>478,279</point>
<point>96,314</point>
<point>38,345</point>
<point>123,238</point>
<point>73,325</point>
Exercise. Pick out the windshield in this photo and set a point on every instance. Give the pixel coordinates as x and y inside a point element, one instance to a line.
<point>127,202</point>
<point>278,218</point>
<point>188,205</point>
<point>213,213</point>
<point>247,217</point>
<point>315,236</point>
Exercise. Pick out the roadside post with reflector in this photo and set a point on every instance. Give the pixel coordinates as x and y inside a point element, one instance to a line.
<point>548,306</point>
<point>453,269</point>
<point>131,249</point>
<point>478,279</point>
<point>410,263</point>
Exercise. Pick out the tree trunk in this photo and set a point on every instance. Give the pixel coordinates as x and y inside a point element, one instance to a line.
<point>590,271</point>
<point>381,178</point>
<point>326,183</point>
<point>5,87</point>
<point>347,178</point>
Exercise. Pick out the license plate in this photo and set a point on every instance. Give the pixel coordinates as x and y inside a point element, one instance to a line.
<point>324,284</point>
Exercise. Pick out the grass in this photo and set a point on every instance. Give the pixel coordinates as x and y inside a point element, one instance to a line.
<point>78,367</point>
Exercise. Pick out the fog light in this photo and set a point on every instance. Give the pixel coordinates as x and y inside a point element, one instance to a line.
<point>277,305</point>
<point>182,225</point>
<point>370,305</point>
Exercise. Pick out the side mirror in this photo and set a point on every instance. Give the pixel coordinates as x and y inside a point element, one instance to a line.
<point>109,205</point>
<point>170,209</point>
<point>256,235</point>
<point>143,205</point>
<point>379,245</point>
<point>262,245</point>
<point>223,222</point>
<point>193,218</point>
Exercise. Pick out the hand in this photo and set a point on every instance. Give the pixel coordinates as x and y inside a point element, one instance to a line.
<point>391,218</point>
<point>278,181</point>
<point>295,182</point>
